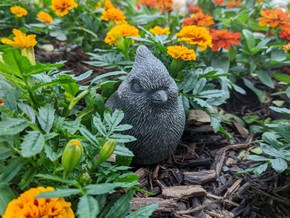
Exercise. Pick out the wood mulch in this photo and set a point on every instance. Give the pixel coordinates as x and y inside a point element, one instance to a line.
<point>199,179</point>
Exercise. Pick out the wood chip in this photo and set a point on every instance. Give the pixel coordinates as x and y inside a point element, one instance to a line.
<point>221,198</point>
<point>183,192</point>
<point>200,177</point>
<point>240,129</point>
<point>234,187</point>
<point>230,161</point>
<point>142,173</point>
<point>218,162</point>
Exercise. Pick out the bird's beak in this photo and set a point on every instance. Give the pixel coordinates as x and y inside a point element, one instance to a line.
<point>159,97</point>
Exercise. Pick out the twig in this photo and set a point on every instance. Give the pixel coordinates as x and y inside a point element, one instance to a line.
<point>271,196</point>
<point>221,198</point>
<point>193,210</point>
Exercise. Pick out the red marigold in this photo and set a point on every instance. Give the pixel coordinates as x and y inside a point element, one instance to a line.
<point>198,19</point>
<point>275,18</point>
<point>285,34</point>
<point>219,2</point>
<point>149,3</point>
<point>224,39</point>
<point>194,9</point>
<point>233,4</point>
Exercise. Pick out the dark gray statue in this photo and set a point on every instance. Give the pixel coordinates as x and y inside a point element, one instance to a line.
<point>149,99</point>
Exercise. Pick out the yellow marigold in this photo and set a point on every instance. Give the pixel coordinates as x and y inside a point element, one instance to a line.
<point>285,48</point>
<point>181,52</point>
<point>119,31</point>
<point>26,206</point>
<point>113,14</point>
<point>157,30</point>
<point>19,11</point>
<point>108,5</point>
<point>62,7</point>
<point>195,35</point>
<point>20,40</point>
<point>45,17</point>
<point>1,102</point>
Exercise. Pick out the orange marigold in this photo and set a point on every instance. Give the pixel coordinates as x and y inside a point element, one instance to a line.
<point>260,0</point>
<point>62,7</point>
<point>275,18</point>
<point>45,17</point>
<point>20,40</point>
<point>285,34</point>
<point>26,206</point>
<point>219,2</point>
<point>164,5</point>
<point>286,47</point>
<point>113,14</point>
<point>19,11</point>
<point>181,52</point>
<point>1,102</point>
<point>233,4</point>
<point>119,31</point>
<point>198,19</point>
<point>194,9</point>
<point>157,30</point>
<point>108,5</point>
<point>149,3</point>
<point>224,39</point>
<point>195,35</point>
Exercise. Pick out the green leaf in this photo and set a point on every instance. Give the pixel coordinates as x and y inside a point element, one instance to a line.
<point>278,55</point>
<point>99,125</point>
<point>117,117</point>
<point>271,139</point>
<point>91,138</point>
<point>123,127</point>
<point>122,206</point>
<point>221,62</point>
<point>232,54</point>
<point>280,110</point>
<point>279,165</point>
<point>13,168</point>
<point>72,88</point>
<point>284,130</point>
<point>257,150</point>
<point>99,189</point>
<point>189,81</point>
<point>260,169</point>
<point>46,117</point>
<point>257,158</point>
<point>143,212</point>
<point>28,111</point>
<point>58,193</point>
<point>123,138</point>
<point>40,68</point>
<point>10,65</point>
<point>271,151</point>
<point>88,207</point>
<point>99,78</point>
<point>261,94</point>
<point>186,105</point>
<point>265,79</point>
<point>13,126</point>
<point>32,144</point>
<point>199,86</point>
<point>281,77</point>
<point>56,178</point>
<point>123,151</point>
<point>250,39</point>
<point>6,195</point>
<point>5,152</point>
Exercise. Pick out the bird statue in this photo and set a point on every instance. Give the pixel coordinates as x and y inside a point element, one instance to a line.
<point>149,99</point>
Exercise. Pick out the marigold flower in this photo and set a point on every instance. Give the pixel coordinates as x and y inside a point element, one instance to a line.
<point>157,30</point>
<point>224,39</point>
<point>164,5</point>
<point>233,4</point>
<point>285,48</point>
<point>198,19</point>
<point>181,52</point>
<point>285,34</point>
<point>45,17</point>
<point>26,206</point>
<point>219,2</point>
<point>19,11</point>
<point>20,40</point>
<point>108,5</point>
<point>1,102</point>
<point>194,9</point>
<point>275,18</point>
<point>260,0</point>
<point>113,14</point>
<point>119,31</point>
<point>62,7</point>
<point>149,3</point>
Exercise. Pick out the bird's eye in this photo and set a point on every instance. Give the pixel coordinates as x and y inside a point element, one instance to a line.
<point>136,87</point>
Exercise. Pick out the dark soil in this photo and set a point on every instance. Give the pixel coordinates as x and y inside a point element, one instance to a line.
<point>199,179</point>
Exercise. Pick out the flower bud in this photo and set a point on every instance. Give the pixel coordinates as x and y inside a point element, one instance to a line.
<point>106,151</point>
<point>71,156</point>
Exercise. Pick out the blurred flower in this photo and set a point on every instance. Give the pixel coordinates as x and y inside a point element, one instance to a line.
<point>219,2</point>
<point>195,35</point>
<point>149,3</point>
<point>20,40</point>
<point>286,47</point>
<point>198,19</point>
<point>108,5</point>
<point>224,39</point>
<point>181,52</point>
<point>119,31</point>
<point>285,34</point>
<point>194,9</point>
<point>157,30</point>
<point>45,17</point>
<point>19,11</point>
<point>275,18</point>
<point>260,0</point>
<point>233,4</point>
<point>113,14</point>
<point>1,102</point>
<point>164,4</point>
<point>26,206</point>
<point>265,32</point>
<point>62,7</point>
